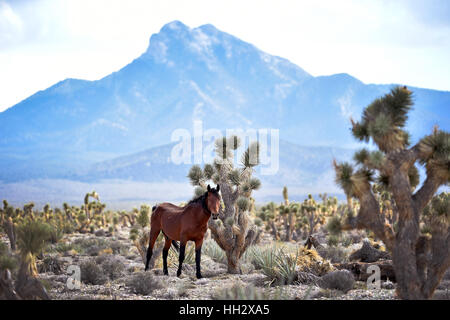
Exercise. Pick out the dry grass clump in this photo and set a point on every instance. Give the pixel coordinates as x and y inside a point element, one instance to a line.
<point>112,265</point>
<point>143,283</point>
<point>335,254</point>
<point>212,250</point>
<point>308,260</point>
<point>240,291</point>
<point>92,273</point>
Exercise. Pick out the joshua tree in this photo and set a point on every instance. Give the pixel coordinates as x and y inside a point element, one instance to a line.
<point>7,222</point>
<point>313,214</point>
<point>32,237</point>
<point>383,122</point>
<point>94,195</point>
<point>233,231</point>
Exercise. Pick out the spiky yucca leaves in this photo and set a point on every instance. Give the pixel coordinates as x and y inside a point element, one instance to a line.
<point>434,154</point>
<point>384,119</point>
<point>395,219</point>
<point>234,231</point>
<point>143,217</point>
<point>32,237</point>
<point>436,215</point>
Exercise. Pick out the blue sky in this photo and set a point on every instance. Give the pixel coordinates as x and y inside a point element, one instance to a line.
<point>403,41</point>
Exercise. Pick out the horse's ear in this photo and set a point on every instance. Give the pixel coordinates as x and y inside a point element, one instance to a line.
<point>209,188</point>
<point>218,188</point>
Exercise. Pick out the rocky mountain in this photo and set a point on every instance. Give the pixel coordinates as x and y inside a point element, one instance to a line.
<point>188,74</point>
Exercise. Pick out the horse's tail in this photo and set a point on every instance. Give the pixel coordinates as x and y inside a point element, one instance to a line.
<point>174,243</point>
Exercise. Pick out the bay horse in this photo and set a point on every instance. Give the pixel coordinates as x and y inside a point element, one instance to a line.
<point>188,223</point>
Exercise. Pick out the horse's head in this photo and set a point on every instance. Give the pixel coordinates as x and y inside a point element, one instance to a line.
<point>213,201</point>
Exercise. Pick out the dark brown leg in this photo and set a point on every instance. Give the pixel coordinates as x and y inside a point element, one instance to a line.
<point>198,256</point>
<point>165,254</point>
<point>153,235</point>
<point>181,259</point>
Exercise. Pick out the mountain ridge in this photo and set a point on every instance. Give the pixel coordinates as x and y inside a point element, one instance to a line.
<point>188,74</point>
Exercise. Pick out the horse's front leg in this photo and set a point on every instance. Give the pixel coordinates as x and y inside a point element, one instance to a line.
<point>181,258</point>
<point>198,256</point>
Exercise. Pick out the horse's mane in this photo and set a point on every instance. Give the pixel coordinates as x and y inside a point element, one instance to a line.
<point>199,199</point>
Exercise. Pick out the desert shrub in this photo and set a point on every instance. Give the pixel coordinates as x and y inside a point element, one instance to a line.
<point>118,248</point>
<point>112,266</point>
<point>3,248</point>
<point>334,226</point>
<point>33,236</point>
<point>286,267</point>
<point>143,283</point>
<point>310,261</point>
<point>91,273</point>
<point>342,280</point>
<point>347,242</point>
<point>63,247</point>
<point>334,254</point>
<point>50,264</point>
<point>134,234</point>
<point>56,233</point>
<point>212,250</point>
<point>333,240</point>
<point>8,262</point>
<point>182,288</point>
<point>277,263</point>
<point>92,246</point>
<point>258,222</point>
<point>261,257</point>
<point>240,292</point>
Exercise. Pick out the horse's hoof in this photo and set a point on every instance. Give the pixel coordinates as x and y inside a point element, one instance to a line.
<point>199,275</point>
<point>166,273</point>
<point>178,273</point>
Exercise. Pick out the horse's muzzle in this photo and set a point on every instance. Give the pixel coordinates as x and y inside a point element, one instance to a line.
<point>215,216</point>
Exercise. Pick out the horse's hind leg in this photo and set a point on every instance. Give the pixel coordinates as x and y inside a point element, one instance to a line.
<point>165,254</point>
<point>181,258</point>
<point>153,236</point>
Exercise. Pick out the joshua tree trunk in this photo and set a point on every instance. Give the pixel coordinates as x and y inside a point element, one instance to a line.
<point>10,229</point>
<point>233,235</point>
<point>274,230</point>
<point>419,262</point>
<point>417,278</point>
<point>27,286</point>
<point>289,226</point>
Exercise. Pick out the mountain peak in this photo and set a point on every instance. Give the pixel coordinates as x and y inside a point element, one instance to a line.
<point>175,25</point>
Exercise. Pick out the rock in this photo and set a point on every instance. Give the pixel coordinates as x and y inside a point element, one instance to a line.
<point>201,281</point>
<point>307,278</point>
<point>388,285</point>
<point>100,233</point>
<point>359,269</point>
<point>368,253</point>
<point>342,280</point>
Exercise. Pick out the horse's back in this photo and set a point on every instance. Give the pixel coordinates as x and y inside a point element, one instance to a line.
<point>167,217</point>
<point>165,210</point>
